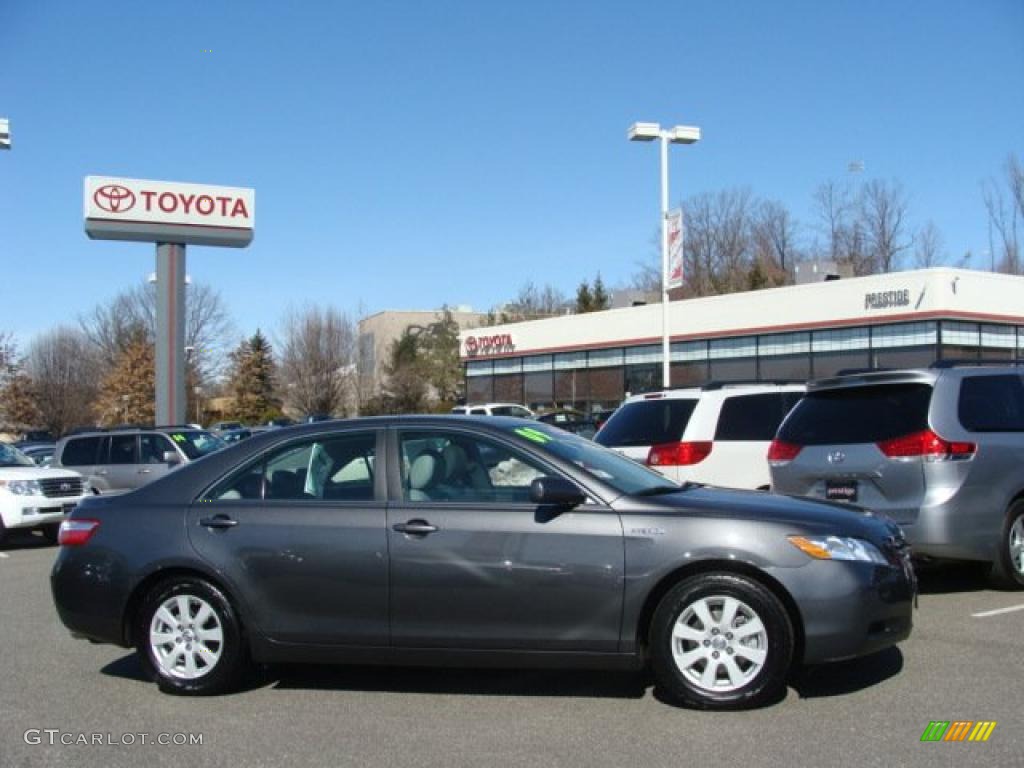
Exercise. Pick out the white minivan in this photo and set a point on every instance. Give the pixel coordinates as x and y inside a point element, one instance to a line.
<point>718,434</point>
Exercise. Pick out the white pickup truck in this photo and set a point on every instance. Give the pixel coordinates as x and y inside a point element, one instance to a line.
<point>36,497</point>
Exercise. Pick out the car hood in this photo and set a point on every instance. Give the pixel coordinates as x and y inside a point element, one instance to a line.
<point>35,473</point>
<point>805,515</point>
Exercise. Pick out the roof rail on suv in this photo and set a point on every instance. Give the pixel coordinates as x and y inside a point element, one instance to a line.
<point>714,385</point>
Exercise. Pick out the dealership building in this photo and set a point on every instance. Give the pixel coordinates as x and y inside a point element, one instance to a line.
<point>795,333</point>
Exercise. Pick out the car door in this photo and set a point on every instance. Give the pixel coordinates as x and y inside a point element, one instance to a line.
<point>121,465</point>
<point>152,447</point>
<point>299,534</point>
<point>475,564</point>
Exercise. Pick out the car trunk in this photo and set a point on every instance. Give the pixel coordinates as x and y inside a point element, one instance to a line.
<point>856,444</point>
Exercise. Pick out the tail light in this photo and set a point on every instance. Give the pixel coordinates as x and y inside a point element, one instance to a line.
<point>781,452</point>
<point>928,445</point>
<point>75,533</point>
<point>679,454</point>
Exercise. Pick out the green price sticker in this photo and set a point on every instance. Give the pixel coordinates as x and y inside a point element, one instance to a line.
<point>533,434</point>
<point>178,438</point>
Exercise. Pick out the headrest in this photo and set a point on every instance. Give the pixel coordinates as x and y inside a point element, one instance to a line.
<point>455,461</point>
<point>426,471</point>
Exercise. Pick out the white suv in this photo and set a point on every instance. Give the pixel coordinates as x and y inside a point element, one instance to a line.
<point>718,434</point>
<point>494,409</point>
<point>36,497</point>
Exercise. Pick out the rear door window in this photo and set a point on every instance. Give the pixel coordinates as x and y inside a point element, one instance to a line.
<point>647,422</point>
<point>858,415</point>
<point>992,403</point>
<point>122,449</point>
<point>80,452</point>
<point>754,417</point>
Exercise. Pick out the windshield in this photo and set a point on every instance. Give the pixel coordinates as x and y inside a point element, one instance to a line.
<point>624,475</point>
<point>196,444</point>
<point>12,457</point>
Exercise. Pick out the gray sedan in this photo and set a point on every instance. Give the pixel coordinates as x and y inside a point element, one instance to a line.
<point>442,540</point>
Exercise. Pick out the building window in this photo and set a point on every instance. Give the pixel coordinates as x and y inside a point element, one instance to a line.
<point>784,368</point>
<point>508,389</point>
<point>570,360</point>
<point>607,387</point>
<point>688,351</point>
<point>572,388</point>
<point>643,355</point>
<point>642,378</point>
<point>904,357</point>
<point>602,358</point>
<point>509,365</point>
<point>783,344</point>
<point>840,340</point>
<point>960,334</point>
<point>825,364</point>
<point>691,374</point>
<point>480,389</point>
<point>481,368</point>
<point>904,335</point>
<point>539,390</point>
<point>722,349</point>
<point>998,342</point>
<point>536,363</point>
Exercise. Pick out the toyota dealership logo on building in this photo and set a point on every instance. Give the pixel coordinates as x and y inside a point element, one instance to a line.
<point>113,198</point>
<point>489,345</point>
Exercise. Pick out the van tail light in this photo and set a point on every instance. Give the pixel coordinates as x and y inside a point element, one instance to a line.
<point>927,445</point>
<point>780,452</point>
<point>75,533</point>
<point>679,454</point>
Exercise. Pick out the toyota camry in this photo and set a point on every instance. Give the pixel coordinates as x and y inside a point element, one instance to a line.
<point>499,541</point>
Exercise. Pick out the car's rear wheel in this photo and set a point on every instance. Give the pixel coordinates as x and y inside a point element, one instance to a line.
<point>1008,567</point>
<point>721,641</point>
<point>189,638</point>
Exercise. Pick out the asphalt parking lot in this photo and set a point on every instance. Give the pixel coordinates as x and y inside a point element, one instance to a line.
<point>871,712</point>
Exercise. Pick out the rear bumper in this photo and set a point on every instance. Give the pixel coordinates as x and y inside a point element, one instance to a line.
<point>964,526</point>
<point>850,609</point>
<point>86,597</point>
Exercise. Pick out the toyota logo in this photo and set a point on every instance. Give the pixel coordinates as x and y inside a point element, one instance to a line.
<point>472,345</point>
<point>65,486</point>
<point>836,457</point>
<point>113,198</point>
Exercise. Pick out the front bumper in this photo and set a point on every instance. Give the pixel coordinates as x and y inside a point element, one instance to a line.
<point>31,511</point>
<point>851,609</point>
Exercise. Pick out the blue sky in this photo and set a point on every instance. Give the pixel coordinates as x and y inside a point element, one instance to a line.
<point>407,155</point>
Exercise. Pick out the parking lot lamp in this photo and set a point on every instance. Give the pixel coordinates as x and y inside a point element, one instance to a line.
<point>679,134</point>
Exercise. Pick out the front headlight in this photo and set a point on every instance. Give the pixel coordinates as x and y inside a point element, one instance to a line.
<point>24,487</point>
<point>838,548</point>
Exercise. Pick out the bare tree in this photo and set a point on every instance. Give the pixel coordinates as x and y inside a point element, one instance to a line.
<point>774,233</point>
<point>1005,212</point>
<point>928,246</point>
<point>208,328</point>
<point>533,302</point>
<point>63,368</point>
<point>883,212</point>
<point>317,353</point>
<point>834,209</point>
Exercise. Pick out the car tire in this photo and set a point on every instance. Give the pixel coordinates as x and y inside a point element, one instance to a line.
<point>203,655</point>
<point>51,532</point>
<point>1008,568</point>
<point>721,661</point>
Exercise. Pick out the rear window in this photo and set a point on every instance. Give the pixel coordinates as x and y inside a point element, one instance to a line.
<point>80,452</point>
<point>992,403</point>
<point>647,422</point>
<point>754,417</point>
<point>858,415</point>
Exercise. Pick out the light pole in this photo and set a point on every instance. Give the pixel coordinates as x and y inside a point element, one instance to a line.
<point>5,133</point>
<point>679,134</point>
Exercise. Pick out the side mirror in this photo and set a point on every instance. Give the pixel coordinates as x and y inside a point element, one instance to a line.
<point>556,491</point>
<point>171,458</point>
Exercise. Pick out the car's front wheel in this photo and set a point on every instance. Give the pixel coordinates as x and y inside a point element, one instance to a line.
<point>189,638</point>
<point>721,641</point>
<point>1008,567</point>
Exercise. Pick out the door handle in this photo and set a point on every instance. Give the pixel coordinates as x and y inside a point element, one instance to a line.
<point>415,528</point>
<point>145,471</point>
<point>218,521</point>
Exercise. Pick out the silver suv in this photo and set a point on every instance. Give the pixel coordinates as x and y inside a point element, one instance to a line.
<point>941,451</point>
<point>125,459</point>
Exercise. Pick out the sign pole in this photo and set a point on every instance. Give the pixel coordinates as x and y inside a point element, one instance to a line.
<point>170,333</point>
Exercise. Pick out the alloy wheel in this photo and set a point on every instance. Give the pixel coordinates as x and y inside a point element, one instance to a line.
<point>719,643</point>
<point>186,637</point>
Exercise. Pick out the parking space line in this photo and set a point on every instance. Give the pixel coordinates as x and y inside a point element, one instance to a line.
<point>997,611</point>
<point>4,556</point>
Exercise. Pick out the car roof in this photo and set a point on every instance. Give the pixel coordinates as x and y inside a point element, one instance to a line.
<point>728,388</point>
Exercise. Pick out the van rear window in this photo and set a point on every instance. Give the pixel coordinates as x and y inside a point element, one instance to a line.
<point>858,415</point>
<point>647,422</point>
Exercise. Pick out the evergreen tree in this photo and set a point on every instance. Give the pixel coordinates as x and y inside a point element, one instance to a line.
<point>251,381</point>
<point>584,298</point>
<point>601,299</point>
<point>128,390</point>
